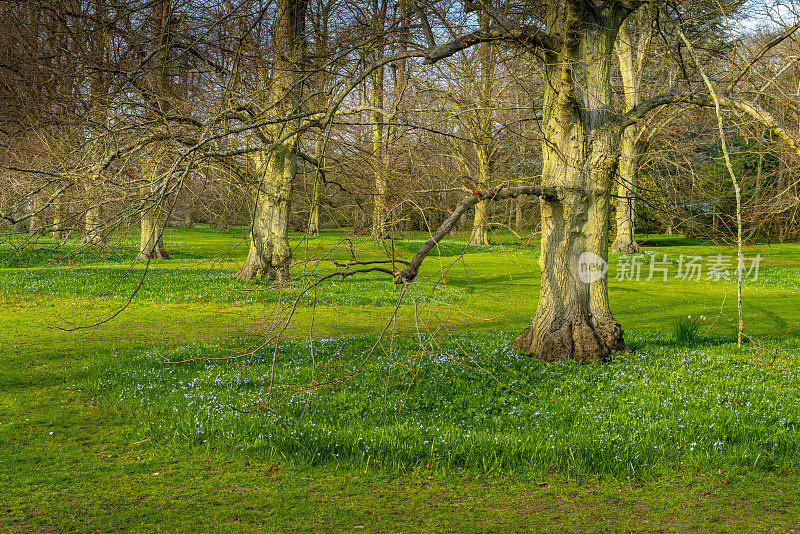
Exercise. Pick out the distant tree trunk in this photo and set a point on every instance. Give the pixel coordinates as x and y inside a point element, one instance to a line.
<point>36,222</point>
<point>381,184</point>
<point>93,226</point>
<point>625,240</point>
<point>57,228</point>
<point>320,20</point>
<point>153,218</point>
<point>93,222</point>
<point>483,137</point>
<point>270,255</point>
<point>519,214</point>
<point>630,63</point>
<point>188,219</point>
<point>378,119</point>
<point>579,156</point>
<point>313,216</point>
<point>151,235</point>
<point>98,100</point>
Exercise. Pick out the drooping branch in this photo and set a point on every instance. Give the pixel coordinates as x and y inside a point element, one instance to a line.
<point>409,273</point>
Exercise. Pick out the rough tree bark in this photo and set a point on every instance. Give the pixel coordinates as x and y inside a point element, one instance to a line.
<point>151,235</point>
<point>269,255</point>
<point>579,153</point>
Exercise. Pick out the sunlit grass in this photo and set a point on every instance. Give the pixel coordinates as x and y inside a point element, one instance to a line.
<point>468,403</point>
<point>165,284</point>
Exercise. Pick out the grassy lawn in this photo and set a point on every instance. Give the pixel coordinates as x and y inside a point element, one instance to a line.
<point>178,410</point>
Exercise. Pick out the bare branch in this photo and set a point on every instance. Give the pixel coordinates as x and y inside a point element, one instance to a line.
<point>521,33</point>
<point>706,100</point>
<point>426,26</point>
<point>763,51</point>
<point>409,273</point>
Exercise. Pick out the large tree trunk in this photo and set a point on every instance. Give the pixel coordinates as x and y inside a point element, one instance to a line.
<point>480,228</point>
<point>151,236</point>
<point>270,255</point>
<point>153,218</point>
<point>573,318</point>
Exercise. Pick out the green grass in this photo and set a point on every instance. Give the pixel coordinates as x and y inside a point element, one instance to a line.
<point>468,402</point>
<point>165,284</point>
<point>103,429</point>
<point>687,331</point>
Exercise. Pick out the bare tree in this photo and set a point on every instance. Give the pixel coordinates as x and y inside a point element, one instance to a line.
<point>275,166</point>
